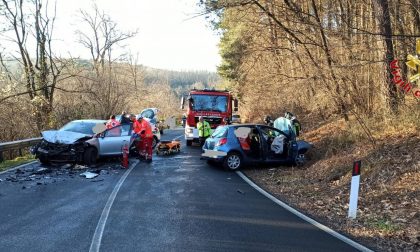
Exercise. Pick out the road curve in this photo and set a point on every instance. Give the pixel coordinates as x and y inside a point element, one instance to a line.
<point>176,203</point>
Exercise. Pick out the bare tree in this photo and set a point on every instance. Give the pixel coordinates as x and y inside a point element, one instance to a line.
<point>39,67</point>
<point>101,38</point>
<point>384,18</point>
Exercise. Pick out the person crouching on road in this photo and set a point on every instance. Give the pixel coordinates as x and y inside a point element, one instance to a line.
<point>143,128</point>
<point>204,130</point>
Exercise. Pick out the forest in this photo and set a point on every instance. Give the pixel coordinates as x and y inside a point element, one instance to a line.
<point>318,57</point>
<point>349,70</point>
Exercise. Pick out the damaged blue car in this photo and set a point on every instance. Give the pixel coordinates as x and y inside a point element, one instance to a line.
<point>235,146</point>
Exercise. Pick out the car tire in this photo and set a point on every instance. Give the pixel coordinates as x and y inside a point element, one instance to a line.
<point>44,160</point>
<point>300,159</point>
<point>89,156</point>
<point>189,142</point>
<point>233,161</point>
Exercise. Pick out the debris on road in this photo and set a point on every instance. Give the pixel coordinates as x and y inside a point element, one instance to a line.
<point>32,175</point>
<point>19,171</point>
<point>29,169</point>
<point>239,191</point>
<point>80,167</point>
<point>67,166</point>
<point>89,175</point>
<point>103,172</point>
<point>97,180</point>
<point>12,178</point>
<point>42,171</point>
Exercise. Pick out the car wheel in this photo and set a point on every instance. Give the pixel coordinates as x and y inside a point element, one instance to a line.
<point>300,159</point>
<point>189,142</point>
<point>44,160</point>
<point>155,142</point>
<point>232,161</point>
<point>89,156</point>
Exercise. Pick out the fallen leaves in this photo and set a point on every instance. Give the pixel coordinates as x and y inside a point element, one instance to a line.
<point>389,209</point>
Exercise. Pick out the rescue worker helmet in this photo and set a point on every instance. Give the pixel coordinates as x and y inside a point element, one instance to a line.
<point>288,115</point>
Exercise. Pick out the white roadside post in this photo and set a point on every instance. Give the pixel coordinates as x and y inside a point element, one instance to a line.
<point>354,189</point>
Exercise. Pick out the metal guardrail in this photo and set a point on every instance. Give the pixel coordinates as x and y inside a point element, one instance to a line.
<point>17,145</point>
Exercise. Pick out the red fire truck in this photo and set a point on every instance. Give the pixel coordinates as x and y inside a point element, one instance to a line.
<point>214,105</point>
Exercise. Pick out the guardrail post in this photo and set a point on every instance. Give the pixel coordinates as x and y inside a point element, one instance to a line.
<point>20,152</point>
<point>1,156</point>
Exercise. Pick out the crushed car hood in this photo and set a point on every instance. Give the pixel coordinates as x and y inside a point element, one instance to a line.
<point>63,137</point>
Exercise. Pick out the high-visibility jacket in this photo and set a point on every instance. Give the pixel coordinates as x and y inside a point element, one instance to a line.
<point>112,123</point>
<point>145,126</point>
<point>204,129</point>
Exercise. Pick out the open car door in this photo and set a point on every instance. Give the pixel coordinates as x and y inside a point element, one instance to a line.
<point>249,139</point>
<point>112,140</point>
<point>275,145</point>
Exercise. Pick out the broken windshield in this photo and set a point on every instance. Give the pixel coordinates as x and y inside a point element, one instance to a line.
<point>79,127</point>
<point>209,103</point>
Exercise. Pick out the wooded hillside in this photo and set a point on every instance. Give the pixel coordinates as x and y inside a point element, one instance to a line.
<point>324,57</point>
<point>349,70</point>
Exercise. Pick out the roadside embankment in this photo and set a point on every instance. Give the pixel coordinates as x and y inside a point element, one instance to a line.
<point>388,217</point>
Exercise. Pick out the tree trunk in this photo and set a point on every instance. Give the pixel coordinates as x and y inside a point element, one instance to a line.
<point>386,29</point>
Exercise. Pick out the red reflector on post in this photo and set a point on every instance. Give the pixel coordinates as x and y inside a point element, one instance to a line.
<point>356,168</point>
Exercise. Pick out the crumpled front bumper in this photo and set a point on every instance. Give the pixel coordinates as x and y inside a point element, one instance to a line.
<point>58,152</point>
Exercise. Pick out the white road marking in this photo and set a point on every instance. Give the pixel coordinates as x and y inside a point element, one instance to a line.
<point>304,217</point>
<point>176,138</point>
<point>19,166</point>
<point>97,237</point>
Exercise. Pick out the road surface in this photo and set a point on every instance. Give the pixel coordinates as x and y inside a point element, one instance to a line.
<point>176,203</point>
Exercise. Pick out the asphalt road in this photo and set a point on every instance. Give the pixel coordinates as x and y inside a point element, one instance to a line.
<point>176,203</point>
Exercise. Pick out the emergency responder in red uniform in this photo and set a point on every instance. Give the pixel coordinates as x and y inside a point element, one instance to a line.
<point>112,122</point>
<point>143,128</point>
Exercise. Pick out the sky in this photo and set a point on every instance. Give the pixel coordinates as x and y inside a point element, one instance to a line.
<point>168,35</point>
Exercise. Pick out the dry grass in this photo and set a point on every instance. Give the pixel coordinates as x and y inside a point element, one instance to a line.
<point>388,215</point>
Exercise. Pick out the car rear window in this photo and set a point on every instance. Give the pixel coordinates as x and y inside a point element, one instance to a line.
<point>220,132</point>
<point>79,127</point>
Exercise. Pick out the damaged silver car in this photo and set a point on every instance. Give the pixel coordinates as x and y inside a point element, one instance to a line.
<point>80,142</point>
